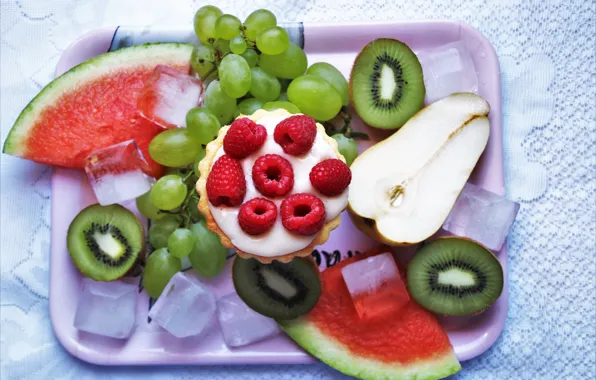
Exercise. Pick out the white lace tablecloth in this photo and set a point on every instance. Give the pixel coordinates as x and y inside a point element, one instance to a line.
<point>547,55</point>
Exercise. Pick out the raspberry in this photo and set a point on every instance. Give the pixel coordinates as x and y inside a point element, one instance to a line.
<point>226,184</point>
<point>257,216</point>
<point>303,214</point>
<point>296,134</point>
<point>244,138</point>
<point>273,175</point>
<point>330,177</point>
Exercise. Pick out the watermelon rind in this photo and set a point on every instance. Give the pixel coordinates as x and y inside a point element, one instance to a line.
<point>338,356</point>
<point>146,55</point>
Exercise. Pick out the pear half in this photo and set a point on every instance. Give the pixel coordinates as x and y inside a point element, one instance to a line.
<point>404,187</point>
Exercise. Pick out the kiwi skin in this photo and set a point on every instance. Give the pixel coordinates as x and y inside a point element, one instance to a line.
<point>73,245</point>
<point>498,279</point>
<point>413,93</point>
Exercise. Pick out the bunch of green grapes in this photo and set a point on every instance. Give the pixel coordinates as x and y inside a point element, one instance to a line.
<point>253,65</point>
<point>177,228</point>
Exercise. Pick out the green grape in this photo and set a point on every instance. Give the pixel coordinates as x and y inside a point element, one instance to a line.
<point>251,57</point>
<point>288,65</point>
<point>193,210</point>
<point>334,77</point>
<point>234,75</point>
<point>169,222</point>
<point>277,104</point>
<point>263,85</point>
<point>220,103</point>
<point>181,242</point>
<point>273,40</point>
<point>347,147</point>
<point>168,192</point>
<point>161,229</point>
<point>257,21</point>
<point>195,165</point>
<point>249,106</point>
<point>237,45</point>
<point>204,23</point>
<point>202,60</point>
<point>160,267</point>
<point>174,148</point>
<point>158,237</point>
<point>227,27</point>
<point>208,257</point>
<point>315,97</point>
<point>202,124</point>
<point>283,97</point>
<point>147,208</point>
<point>222,46</point>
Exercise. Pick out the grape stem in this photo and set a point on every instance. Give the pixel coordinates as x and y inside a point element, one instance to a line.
<point>346,130</point>
<point>214,69</point>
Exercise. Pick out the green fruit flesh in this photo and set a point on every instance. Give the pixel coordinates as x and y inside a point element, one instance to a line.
<point>278,290</point>
<point>105,241</point>
<point>386,84</point>
<point>453,276</point>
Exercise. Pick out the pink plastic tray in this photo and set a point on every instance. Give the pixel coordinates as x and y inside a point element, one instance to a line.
<point>337,44</point>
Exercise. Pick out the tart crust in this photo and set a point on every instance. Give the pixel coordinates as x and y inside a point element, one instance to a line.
<point>201,187</point>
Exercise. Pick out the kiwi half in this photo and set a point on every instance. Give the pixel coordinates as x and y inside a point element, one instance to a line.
<point>105,241</point>
<point>455,276</point>
<point>387,84</point>
<point>278,290</point>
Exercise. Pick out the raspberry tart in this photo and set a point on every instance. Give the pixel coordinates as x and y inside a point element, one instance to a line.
<point>273,185</point>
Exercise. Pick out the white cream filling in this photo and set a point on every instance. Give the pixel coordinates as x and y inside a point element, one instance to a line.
<point>277,241</point>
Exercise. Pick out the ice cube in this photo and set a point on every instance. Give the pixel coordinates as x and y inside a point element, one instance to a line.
<point>481,215</point>
<point>107,308</point>
<point>168,95</point>
<point>240,324</point>
<point>116,173</point>
<point>185,307</point>
<point>376,286</point>
<point>448,69</point>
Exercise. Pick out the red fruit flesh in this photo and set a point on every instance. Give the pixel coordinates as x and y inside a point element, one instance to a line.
<point>97,115</point>
<point>413,334</point>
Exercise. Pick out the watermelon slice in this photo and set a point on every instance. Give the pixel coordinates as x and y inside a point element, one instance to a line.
<point>408,345</point>
<point>92,106</point>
